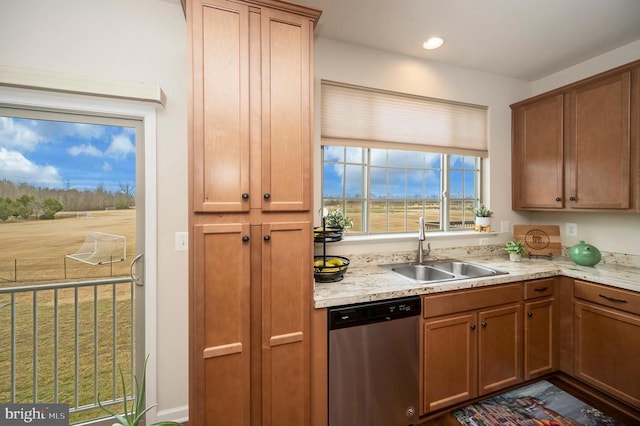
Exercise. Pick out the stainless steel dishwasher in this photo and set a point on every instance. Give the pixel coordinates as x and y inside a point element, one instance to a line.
<point>373,363</point>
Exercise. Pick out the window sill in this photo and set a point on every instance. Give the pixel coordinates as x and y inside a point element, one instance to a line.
<point>429,236</point>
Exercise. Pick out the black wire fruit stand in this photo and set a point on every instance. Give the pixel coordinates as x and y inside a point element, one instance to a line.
<point>328,269</point>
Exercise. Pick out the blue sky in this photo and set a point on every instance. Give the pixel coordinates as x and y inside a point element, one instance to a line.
<point>60,155</point>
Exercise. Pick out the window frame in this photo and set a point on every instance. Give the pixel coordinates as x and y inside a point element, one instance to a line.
<point>366,200</point>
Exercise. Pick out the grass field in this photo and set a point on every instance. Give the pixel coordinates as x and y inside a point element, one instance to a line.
<point>34,251</point>
<point>103,321</point>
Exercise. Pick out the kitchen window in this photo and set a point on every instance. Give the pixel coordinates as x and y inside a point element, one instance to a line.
<point>389,158</point>
<point>387,190</point>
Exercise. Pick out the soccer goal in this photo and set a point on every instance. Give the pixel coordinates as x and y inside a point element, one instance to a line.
<point>99,248</point>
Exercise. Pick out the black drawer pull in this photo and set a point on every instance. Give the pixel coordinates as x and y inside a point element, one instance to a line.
<point>541,289</point>
<point>612,299</point>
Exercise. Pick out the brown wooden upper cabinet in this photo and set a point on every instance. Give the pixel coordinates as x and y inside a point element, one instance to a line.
<point>576,148</point>
<point>251,108</point>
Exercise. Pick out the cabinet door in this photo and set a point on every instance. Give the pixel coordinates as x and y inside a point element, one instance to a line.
<point>600,144</point>
<point>499,348</point>
<point>538,338</point>
<point>286,111</point>
<point>286,303</point>
<point>220,362</point>
<point>220,111</point>
<point>538,178</point>
<point>607,349</point>
<point>449,361</point>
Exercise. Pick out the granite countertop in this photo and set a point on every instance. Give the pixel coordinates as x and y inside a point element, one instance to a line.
<point>367,282</point>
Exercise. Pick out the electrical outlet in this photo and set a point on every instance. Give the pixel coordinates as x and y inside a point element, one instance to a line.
<point>484,241</point>
<point>504,226</point>
<point>571,229</point>
<point>182,241</point>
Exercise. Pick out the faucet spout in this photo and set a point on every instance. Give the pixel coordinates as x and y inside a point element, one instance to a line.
<point>421,238</point>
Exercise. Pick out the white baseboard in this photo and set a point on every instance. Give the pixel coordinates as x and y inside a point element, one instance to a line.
<point>175,414</point>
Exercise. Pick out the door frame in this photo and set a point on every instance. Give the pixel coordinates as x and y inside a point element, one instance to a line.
<point>13,97</point>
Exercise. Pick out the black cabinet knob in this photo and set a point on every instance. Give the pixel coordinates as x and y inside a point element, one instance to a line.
<point>572,198</point>
<point>245,238</point>
<point>558,199</point>
<point>266,195</point>
<point>484,324</point>
<point>530,314</point>
<point>245,196</point>
<point>267,237</point>
<point>473,326</point>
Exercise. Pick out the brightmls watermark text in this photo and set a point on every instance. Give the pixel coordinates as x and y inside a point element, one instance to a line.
<point>34,414</point>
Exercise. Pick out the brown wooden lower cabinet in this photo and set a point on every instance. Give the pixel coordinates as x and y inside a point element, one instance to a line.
<point>472,344</point>
<point>607,340</point>
<point>539,327</point>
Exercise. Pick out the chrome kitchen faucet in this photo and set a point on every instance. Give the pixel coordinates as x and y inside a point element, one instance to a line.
<point>421,237</point>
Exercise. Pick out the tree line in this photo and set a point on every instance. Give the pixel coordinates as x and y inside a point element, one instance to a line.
<point>26,201</point>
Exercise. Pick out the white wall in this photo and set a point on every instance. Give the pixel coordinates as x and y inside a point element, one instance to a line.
<point>348,63</point>
<point>132,41</point>
<point>618,233</point>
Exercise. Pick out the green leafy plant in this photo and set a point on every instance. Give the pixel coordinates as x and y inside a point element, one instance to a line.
<point>516,247</point>
<point>482,211</point>
<point>138,411</point>
<point>337,219</point>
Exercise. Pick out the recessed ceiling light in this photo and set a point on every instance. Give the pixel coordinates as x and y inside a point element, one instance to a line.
<point>433,43</point>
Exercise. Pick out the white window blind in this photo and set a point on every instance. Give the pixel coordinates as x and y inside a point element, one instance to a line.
<point>363,116</point>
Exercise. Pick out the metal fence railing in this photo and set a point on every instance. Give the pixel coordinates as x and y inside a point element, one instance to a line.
<point>37,269</point>
<point>66,343</point>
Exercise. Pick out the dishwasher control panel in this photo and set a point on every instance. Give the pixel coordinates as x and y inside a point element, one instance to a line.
<point>366,313</point>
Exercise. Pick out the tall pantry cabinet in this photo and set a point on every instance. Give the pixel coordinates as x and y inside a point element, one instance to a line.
<point>250,212</point>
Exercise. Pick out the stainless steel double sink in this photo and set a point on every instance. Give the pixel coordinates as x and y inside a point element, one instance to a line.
<point>441,270</point>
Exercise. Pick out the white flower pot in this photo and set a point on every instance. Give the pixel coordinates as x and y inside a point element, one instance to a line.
<point>483,221</point>
<point>515,257</point>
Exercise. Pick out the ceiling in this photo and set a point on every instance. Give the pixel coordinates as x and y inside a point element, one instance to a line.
<point>524,39</point>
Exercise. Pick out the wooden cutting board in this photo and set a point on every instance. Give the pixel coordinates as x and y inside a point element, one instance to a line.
<point>541,240</point>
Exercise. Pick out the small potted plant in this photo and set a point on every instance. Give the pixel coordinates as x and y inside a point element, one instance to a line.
<point>337,219</point>
<point>515,249</point>
<point>483,217</point>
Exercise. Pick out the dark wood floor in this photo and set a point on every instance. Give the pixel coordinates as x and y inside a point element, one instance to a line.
<point>623,414</point>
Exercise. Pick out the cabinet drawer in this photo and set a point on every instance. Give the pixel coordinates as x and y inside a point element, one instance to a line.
<point>539,288</point>
<point>623,300</point>
<point>467,300</point>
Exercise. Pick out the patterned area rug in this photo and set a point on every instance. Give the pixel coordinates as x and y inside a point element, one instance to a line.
<point>538,404</point>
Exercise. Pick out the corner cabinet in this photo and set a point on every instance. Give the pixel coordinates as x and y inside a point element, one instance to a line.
<point>576,148</point>
<point>607,339</point>
<point>251,249</point>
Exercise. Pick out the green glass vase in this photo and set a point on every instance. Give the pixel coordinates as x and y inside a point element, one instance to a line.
<point>584,254</point>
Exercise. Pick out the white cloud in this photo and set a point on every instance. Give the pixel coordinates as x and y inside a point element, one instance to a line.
<point>17,136</point>
<point>86,131</point>
<point>120,147</point>
<point>86,149</point>
<point>106,167</point>
<point>17,168</point>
